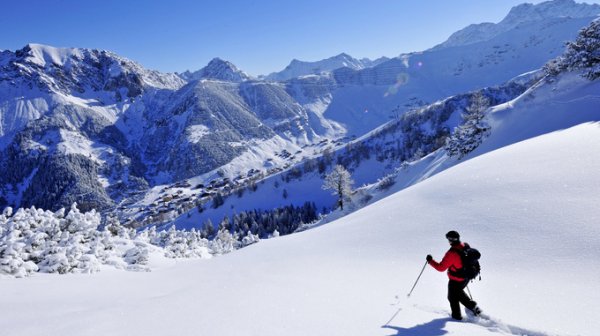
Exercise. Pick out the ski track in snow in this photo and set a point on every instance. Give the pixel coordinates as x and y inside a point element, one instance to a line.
<point>491,324</point>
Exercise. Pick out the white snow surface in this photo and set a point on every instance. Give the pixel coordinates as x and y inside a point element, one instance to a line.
<point>531,208</point>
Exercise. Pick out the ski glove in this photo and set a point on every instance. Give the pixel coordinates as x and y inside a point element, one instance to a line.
<point>429,258</point>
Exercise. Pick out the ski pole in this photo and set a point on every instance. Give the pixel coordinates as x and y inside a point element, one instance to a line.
<point>469,291</point>
<point>419,277</point>
<point>391,318</point>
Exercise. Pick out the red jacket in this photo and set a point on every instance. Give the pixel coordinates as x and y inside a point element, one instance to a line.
<point>450,262</point>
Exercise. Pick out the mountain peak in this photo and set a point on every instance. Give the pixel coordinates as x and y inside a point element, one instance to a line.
<point>517,15</point>
<point>549,9</point>
<point>76,71</point>
<point>218,69</point>
<point>343,55</point>
<point>298,68</point>
<point>43,55</point>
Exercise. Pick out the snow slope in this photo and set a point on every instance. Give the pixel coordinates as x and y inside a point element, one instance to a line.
<point>531,212</point>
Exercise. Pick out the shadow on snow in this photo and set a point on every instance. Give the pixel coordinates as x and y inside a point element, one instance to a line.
<point>431,328</point>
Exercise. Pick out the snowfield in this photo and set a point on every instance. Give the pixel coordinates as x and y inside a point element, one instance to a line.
<point>531,208</point>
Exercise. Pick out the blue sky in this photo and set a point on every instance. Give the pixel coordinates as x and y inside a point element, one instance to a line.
<point>258,36</point>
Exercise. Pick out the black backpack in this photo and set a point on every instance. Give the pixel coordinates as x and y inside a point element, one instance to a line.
<point>470,261</point>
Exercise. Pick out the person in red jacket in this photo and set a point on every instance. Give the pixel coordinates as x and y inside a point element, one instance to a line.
<point>456,284</point>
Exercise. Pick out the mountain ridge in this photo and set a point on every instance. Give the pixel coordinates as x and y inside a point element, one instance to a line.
<point>135,128</point>
<point>298,68</point>
<point>518,15</point>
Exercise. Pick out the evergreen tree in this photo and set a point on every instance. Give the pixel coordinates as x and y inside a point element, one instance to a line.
<point>583,53</point>
<point>218,201</point>
<point>208,230</point>
<point>470,134</point>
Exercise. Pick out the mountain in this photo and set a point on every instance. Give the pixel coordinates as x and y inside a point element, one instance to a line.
<point>208,123</point>
<point>94,127</point>
<point>70,76</point>
<point>217,69</point>
<point>58,139</point>
<point>513,109</point>
<point>369,158</point>
<point>91,126</point>
<point>520,15</point>
<point>301,68</point>
<point>361,100</point>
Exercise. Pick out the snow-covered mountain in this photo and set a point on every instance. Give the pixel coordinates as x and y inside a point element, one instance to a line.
<point>299,68</point>
<point>217,69</point>
<point>207,124</point>
<point>369,159</point>
<point>517,16</point>
<point>35,78</point>
<point>58,111</point>
<point>91,126</point>
<point>418,133</point>
<point>88,125</point>
<point>525,40</point>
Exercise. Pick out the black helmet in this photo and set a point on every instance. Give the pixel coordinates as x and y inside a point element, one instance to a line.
<point>453,236</point>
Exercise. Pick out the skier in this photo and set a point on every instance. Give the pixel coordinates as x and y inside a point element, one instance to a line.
<point>456,285</point>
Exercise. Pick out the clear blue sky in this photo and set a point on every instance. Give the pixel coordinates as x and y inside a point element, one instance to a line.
<point>258,36</point>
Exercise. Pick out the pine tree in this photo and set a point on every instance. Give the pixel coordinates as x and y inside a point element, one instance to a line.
<point>583,53</point>
<point>208,229</point>
<point>470,134</point>
<point>218,201</point>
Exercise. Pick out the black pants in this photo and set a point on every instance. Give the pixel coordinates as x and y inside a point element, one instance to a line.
<point>456,295</point>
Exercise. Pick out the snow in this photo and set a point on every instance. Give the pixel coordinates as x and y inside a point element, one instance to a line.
<point>22,111</point>
<point>301,68</point>
<point>196,132</point>
<point>43,55</point>
<point>527,198</point>
<point>537,233</point>
<point>75,143</point>
<point>519,15</point>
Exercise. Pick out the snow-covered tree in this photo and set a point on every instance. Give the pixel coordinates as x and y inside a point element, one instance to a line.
<point>12,260</point>
<point>224,242</point>
<point>34,240</point>
<point>250,239</point>
<point>340,184</point>
<point>137,255</point>
<point>472,131</point>
<point>583,53</point>
<point>208,229</point>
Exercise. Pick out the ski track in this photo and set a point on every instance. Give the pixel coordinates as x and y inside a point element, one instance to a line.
<point>490,323</point>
